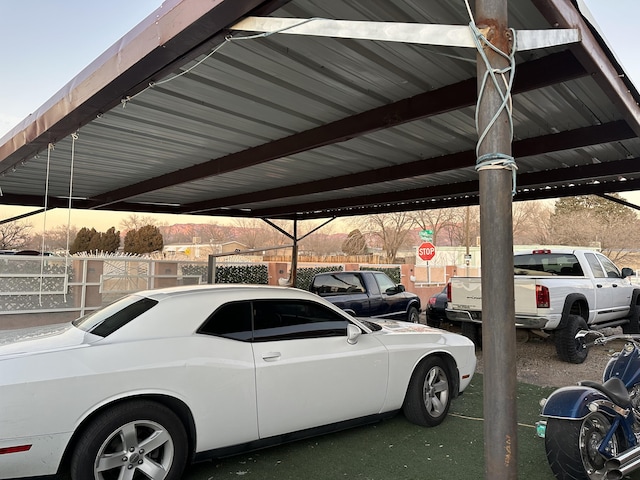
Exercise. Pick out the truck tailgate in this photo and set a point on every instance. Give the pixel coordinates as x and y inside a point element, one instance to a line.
<point>466,294</point>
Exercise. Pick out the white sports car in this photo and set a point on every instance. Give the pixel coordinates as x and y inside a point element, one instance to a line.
<point>139,388</point>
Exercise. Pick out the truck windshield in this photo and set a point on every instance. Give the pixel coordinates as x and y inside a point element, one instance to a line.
<point>547,264</point>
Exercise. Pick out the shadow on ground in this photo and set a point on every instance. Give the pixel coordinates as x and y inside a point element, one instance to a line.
<point>396,449</point>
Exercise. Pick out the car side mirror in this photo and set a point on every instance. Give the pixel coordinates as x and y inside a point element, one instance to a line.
<point>627,272</point>
<point>353,333</point>
<point>400,288</point>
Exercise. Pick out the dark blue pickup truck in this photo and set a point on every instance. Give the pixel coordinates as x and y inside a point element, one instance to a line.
<point>367,294</point>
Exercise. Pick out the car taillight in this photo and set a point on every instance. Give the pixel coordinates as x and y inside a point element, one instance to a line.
<point>449,292</point>
<point>432,300</point>
<point>537,252</point>
<point>542,297</point>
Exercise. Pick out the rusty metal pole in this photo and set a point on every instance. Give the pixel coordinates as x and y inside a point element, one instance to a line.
<point>496,235</point>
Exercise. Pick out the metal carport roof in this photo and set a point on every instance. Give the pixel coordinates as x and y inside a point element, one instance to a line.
<point>177,118</point>
<point>289,126</point>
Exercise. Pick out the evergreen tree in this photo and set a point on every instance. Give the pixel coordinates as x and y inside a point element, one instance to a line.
<point>82,240</point>
<point>110,241</point>
<point>147,239</point>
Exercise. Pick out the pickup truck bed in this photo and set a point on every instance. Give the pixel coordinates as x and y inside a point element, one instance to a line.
<point>559,292</point>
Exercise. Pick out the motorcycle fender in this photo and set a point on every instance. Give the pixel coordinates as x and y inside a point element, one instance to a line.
<point>571,402</point>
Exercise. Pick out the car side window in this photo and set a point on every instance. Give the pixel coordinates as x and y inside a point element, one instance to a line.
<point>232,320</point>
<point>384,282</point>
<point>609,267</point>
<point>295,319</point>
<point>596,268</point>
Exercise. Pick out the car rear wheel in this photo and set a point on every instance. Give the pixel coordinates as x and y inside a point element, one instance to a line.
<point>133,440</point>
<point>429,393</point>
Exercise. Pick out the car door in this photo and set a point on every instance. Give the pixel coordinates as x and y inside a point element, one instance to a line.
<point>307,374</point>
<point>393,304</point>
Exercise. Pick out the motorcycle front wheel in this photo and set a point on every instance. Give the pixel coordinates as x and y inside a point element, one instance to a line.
<point>572,447</point>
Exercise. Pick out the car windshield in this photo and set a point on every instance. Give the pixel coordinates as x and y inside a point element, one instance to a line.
<point>110,318</point>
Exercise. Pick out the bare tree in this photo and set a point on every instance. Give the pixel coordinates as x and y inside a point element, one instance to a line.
<point>135,222</point>
<point>531,222</point>
<point>465,226</point>
<point>58,238</point>
<point>392,229</point>
<point>438,220</point>
<point>14,235</point>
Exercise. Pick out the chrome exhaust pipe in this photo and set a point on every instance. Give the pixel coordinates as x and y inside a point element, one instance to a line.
<point>618,467</point>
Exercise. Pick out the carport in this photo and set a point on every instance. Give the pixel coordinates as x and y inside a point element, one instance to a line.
<point>188,114</point>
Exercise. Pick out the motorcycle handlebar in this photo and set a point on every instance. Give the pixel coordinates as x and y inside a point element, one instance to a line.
<point>602,339</point>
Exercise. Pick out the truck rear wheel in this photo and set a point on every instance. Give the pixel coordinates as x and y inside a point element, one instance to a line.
<point>567,347</point>
<point>473,332</point>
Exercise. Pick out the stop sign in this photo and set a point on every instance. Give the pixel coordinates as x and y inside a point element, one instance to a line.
<point>426,251</point>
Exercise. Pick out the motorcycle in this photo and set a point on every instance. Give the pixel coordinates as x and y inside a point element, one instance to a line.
<point>592,430</point>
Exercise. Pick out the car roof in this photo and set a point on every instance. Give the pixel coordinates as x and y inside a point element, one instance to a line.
<point>239,291</point>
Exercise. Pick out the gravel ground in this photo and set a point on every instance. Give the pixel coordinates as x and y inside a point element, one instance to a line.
<point>538,364</point>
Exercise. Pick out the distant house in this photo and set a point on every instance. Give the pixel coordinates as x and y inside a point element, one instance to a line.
<point>200,251</point>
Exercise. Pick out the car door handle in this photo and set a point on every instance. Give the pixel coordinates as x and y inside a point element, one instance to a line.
<point>599,285</point>
<point>615,285</point>
<point>271,356</point>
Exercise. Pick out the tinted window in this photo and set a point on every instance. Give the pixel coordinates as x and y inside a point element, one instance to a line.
<point>110,318</point>
<point>293,319</point>
<point>550,263</point>
<point>232,320</point>
<point>337,283</point>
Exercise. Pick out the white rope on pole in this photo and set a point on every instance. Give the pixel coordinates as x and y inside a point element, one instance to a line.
<point>74,137</point>
<point>50,147</point>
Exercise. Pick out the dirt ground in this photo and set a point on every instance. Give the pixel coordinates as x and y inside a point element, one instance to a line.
<point>538,364</point>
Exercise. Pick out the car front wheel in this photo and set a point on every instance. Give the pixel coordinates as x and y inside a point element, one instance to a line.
<point>429,393</point>
<point>413,316</point>
<point>133,440</point>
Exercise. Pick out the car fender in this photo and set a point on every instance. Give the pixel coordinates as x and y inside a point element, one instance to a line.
<point>571,402</point>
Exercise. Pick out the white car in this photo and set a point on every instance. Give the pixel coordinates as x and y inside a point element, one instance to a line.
<point>165,377</point>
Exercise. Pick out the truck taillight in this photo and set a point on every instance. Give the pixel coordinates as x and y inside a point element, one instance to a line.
<point>542,297</point>
<point>449,292</point>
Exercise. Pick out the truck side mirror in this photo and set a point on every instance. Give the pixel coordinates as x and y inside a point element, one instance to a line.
<point>627,272</point>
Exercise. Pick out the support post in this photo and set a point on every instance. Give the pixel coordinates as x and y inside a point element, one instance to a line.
<point>496,235</point>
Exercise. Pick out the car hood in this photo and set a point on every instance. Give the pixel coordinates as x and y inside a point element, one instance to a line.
<point>400,326</point>
<point>41,339</point>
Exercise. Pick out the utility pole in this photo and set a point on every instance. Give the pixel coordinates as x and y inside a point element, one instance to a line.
<point>496,236</point>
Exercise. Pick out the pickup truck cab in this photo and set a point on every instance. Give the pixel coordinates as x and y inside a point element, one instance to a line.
<point>367,294</point>
<point>558,292</point>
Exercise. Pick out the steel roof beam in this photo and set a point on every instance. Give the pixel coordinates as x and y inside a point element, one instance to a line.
<point>610,132</point>
<point>550,70</point>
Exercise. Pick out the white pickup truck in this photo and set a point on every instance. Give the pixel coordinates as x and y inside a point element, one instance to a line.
<point>557,292</point>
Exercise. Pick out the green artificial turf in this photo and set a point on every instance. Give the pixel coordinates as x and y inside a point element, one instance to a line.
<point>395,449</point>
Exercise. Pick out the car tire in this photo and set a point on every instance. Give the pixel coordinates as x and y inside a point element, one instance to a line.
<point>429,393</point>
<point>567,347</point>
<point>634,315</point>
<point>434,321</point>
<point>413,315</point>
<point>473,332</point>
<point>145,436</point>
